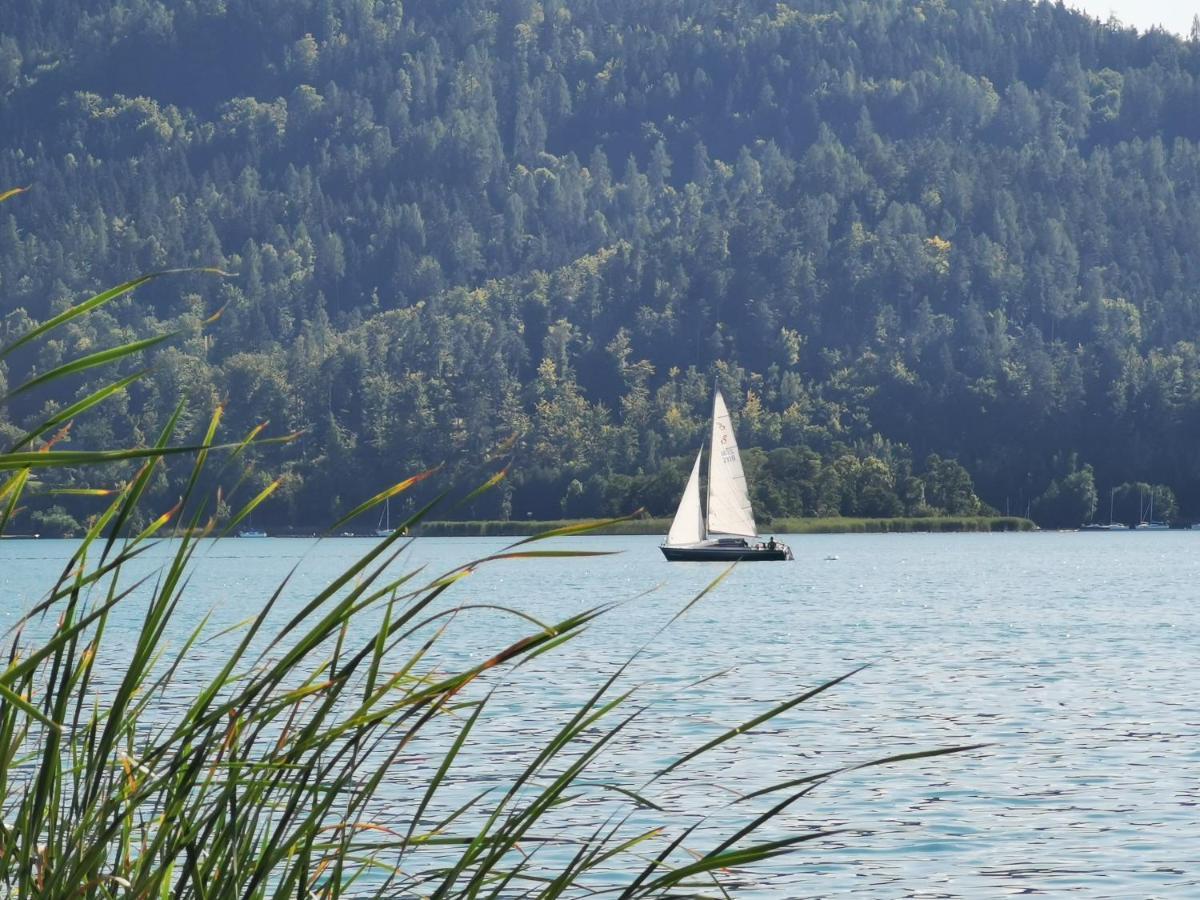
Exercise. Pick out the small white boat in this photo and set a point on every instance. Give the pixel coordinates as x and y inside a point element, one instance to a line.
<point>250,531</point>
<point>1148,523</point>
<point>383,527</point>
<point>1110,525</point>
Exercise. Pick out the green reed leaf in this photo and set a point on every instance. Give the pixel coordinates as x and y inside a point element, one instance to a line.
<point>731,859</point>
<point>90,361</point>
<point>97,301</point>
<point>252,505</point>
<point>78,408</point>
<point>58,459</point>
<point>11,696</point>
<point>578,528</point>
<point>394,490</point>
<point>758,720</point>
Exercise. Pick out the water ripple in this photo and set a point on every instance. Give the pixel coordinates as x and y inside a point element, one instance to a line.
<point>1072,656</point>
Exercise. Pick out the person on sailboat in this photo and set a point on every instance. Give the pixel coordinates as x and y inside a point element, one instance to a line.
<point>771,543</point>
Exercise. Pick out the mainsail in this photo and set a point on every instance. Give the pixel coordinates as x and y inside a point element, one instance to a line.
<point>688,527</point>
<point>728,500</point>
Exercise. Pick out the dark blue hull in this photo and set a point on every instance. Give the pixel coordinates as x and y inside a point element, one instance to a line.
<point>726,554</point>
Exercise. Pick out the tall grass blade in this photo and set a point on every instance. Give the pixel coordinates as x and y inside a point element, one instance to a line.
<point>485,487</point>
<point>134,493</point>
<point>11,696</point>
<point>97,301</point>
<point>874,763</point>
<point>91,361</point>
<point>10,495</point>
<point>61,459</point>
<point>393,491</point>
<point>731,858</point>
<point>756,721</point>
<point>249,508</point>
<point>76,409</point>
<point>578,528</point>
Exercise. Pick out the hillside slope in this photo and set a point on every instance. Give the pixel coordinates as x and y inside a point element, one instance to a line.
<point>898,233</point>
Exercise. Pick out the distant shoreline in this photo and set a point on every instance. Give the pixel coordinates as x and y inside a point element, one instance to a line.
<point>783,525</point>
<point>659,527</point>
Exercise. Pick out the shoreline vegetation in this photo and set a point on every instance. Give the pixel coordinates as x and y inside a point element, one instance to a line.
<point>831,525</point>
<point>657,526</point>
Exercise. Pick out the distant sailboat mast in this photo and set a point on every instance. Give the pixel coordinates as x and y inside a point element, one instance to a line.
<point>712,447</point>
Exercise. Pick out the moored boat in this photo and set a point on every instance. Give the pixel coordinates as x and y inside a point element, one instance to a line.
<point>250,531</point>
<point>1110,525</point>
<point>383,528</point>
<point>1148,523</point>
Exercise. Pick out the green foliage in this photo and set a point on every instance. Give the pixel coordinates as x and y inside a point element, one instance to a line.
<point>55,522</point>
<point>1068,502</point>
<point>948,488</point>
<point>124,773</point>
<point>1138,502</point>
<point>963,229</point>
<point>901,525</point>
<point>779,525</point>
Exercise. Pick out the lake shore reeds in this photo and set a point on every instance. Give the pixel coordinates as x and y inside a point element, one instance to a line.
<point>781,525</point>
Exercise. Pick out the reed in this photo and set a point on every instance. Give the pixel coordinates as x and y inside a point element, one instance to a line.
<point>263,779</point>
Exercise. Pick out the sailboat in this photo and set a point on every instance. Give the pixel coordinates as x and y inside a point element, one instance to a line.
<point>1111,526</point>
<point>250,531</point>
<point>1148,523</point>
<point>729,533</point>
<point>383,527</point>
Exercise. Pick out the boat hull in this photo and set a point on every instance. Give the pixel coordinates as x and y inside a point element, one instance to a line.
<point>725,554</point>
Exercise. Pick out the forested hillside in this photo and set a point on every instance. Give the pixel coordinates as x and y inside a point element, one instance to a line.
<point>911,240</point>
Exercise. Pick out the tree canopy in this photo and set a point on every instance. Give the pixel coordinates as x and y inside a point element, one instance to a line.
<point>933,252</point>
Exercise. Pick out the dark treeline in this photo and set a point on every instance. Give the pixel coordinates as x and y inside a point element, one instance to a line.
<point>933,251</point>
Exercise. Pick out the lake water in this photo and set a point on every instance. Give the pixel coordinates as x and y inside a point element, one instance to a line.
<point>1074,656</point>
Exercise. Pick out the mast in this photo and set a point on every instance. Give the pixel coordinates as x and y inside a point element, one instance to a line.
<point>712,433</point>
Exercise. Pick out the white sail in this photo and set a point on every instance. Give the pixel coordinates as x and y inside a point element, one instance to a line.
<point>688,527</point>
<point>728,499</point>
